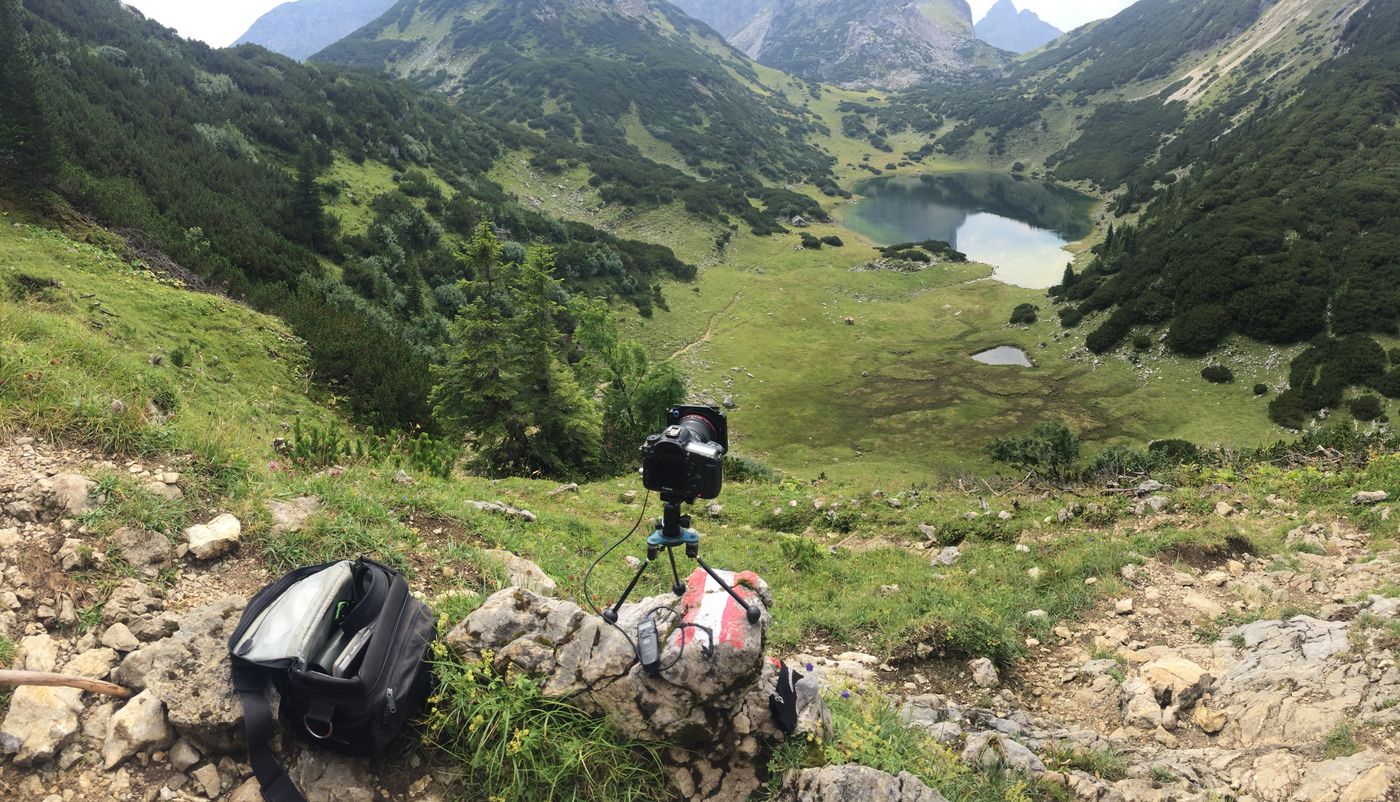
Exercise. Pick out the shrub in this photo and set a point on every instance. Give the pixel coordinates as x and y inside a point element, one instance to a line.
<point>1174,452</point>
<point>833,240</point>
<point>1261,389</point>
<point>1142,342</point>
<point>1365,408</point>
<point>1070,317</point>
<point>1198,330</point>
<point>811,242</point>
<point>1048,450</point>
<point>1025,313</point>
<point>802,553</point>
<point>1117,461</point>
<point>1217,374</point>
<point>747,469</point>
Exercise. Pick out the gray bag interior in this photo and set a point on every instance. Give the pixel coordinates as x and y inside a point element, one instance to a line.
<point>296,626</point>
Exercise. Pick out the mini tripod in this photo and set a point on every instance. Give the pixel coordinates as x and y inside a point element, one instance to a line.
<point>674,530</point>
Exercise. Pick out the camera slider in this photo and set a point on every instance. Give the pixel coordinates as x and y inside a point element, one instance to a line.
<point>672,532</point>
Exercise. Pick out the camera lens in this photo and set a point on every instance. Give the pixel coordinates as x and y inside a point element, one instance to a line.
<point>701,430</point>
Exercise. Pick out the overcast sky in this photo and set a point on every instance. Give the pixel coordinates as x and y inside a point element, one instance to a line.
<point>220,22</point>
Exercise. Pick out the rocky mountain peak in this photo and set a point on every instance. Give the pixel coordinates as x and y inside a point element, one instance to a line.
<point>1017,31</point>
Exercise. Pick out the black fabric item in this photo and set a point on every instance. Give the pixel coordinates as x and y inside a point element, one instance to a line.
<point>354,715</point>
<point>783,701</point>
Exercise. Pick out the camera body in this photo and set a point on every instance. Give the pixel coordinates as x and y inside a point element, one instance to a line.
<point>686,460</point>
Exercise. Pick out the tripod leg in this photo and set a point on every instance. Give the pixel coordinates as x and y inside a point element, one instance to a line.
<point>751,610</point>
<point>678,587</point>
<point>610,614</point>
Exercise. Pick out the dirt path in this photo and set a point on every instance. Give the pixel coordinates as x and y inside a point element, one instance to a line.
<point>709,329</point>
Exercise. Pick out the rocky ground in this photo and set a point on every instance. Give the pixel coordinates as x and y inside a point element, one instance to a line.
<point>1214,674</point>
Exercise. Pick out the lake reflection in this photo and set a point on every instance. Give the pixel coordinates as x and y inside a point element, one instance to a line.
<point>1016,225</point>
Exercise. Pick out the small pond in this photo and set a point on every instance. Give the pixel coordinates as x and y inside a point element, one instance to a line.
<point>1004,355</point>
<point>1017,225</point>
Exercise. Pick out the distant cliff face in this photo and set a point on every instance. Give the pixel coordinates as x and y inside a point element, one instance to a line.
<point>1016,31</point>
<point>302,28</point>
<point>885,43</point>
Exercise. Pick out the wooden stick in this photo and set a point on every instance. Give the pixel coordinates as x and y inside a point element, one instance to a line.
<point>17,678</point>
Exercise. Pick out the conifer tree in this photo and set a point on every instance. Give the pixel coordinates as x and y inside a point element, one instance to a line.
<point>309,220</point>
<point>28,150</point>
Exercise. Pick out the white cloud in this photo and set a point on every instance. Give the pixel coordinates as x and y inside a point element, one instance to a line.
<point>1063,14</point>
<point>216,22</point>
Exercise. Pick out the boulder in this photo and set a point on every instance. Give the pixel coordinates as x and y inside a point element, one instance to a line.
<point>72,495</point>
<point>1370,497</point>
<point>326,777</point>
<point>147,552</point>
<point>139,726</point>
<point>40,722</point>
<point>852,783</point>
<point>131,600</point>
<point>119,637</point>
<point>524,573</point>
<point>290,516</point>
<point>214,539</point>
<point>1203,606</point>
<point>160,489</point>
<point>189,672</point>
<point>710,701</point>
<point>992,750</point>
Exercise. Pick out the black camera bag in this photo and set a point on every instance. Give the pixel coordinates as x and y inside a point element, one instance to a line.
<point>359,713</point>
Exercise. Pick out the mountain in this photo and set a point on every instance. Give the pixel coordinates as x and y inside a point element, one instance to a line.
<point>607,75</point>
<point>301,28</point>
<point>892,44</point>
<point>1284,231</point>
<point>1016,31</point>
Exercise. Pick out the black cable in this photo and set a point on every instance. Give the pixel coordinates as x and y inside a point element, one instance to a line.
<point>588,597</point>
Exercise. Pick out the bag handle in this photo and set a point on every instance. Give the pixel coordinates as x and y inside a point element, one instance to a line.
<point>276,784</point>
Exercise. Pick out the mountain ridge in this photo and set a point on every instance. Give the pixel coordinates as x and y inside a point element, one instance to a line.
<point>302,28</point>
<point>1015,31</point>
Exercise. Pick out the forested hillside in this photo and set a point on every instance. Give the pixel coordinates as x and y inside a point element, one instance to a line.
<point>1285,232</point>
<point>574,69</point>
<point>235,169</point>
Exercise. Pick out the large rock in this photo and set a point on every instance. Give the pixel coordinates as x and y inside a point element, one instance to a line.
<point>139,726</point>
<point>130,601</point>
<point>993,750</point>
<point>524,573</point>
<point>147,552</point>
<point>40,722</point>
<point>189,672</point>
<point>713,708</point>
<point>72,495</point>
<point>853,784</point>
<point>214,539</point>
<point>290,516</point>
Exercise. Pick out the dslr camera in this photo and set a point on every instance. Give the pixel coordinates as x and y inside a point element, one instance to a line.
<point>686,460</point>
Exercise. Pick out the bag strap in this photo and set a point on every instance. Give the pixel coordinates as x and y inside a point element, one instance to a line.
<point>276,784</point>
<point>372,588</point>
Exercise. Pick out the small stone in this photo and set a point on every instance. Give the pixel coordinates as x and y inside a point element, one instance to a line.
<point>118,637</point>
<point>183,755</point>
<point>894,502</point>
<point>633,561</point>
<point>1210,721</point>
<point>1022,548</point>
<point>714,510</point>
<point>1370,497</point>
<point>207,776</point>
<point>947,556</point>
<point>290,516</point>
<point>1033,573</point>
<point>1038,615</point>
<point>139,726</point>
<point>1123,607</point>
<point>629,497</point>
<point>984,674</point>
<point>928,532</point>
<point>571,487</point>
<point>1224,509</point>
<point>214,539</point>
<point>1129,572</point>
<point>1005,515</point>
<point>1091,581</point>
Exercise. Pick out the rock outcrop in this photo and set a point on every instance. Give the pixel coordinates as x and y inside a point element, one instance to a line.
<point>710,699</point>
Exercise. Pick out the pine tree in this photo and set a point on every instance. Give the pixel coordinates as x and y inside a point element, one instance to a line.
<point>477,389</point>
<point>28,150</point>
<point>309,220</point>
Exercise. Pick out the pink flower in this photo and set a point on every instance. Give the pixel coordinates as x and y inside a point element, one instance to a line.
<point>274,467</point>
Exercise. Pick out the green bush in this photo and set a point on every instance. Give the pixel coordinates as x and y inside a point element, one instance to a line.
<point>747,469</point>
<point>833,240</point>
<point>1024,314</point>
<point>1366,408</point>
<point>1217,374</point>
<point>1049,450</point>
<point>1198,330</point>
<point>810,242</point>
<point>505,735</point>
<point>1174,452</point>
<point>1142,342</point>
<point>802,553</point>
<point>1261,389</point>
<point>1070,317</point>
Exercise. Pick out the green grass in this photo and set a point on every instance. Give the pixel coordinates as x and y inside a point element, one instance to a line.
<point>1341,741</point>
<point>507,738</point>
<point>868,730</point>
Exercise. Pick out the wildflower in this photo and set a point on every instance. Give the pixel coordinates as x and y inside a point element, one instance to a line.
<point>274,467</point>
<point>845,694</point>
<point>809,668</point>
